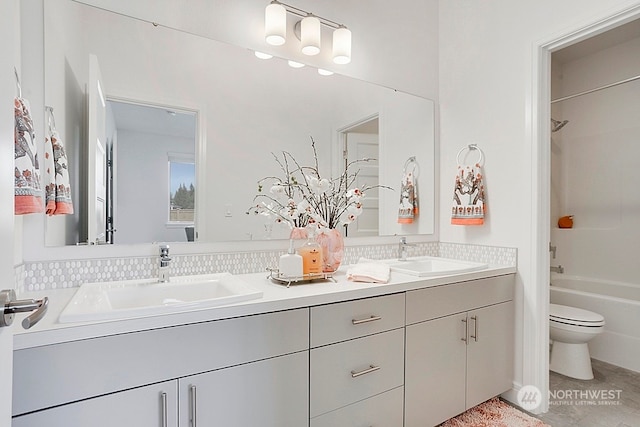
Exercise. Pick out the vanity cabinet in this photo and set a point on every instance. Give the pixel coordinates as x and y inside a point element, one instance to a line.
<point>459,348</point>
<point>114,371</point>
<point>268,393</point>
<point>150,406</point>
<point>412,358</point>
<point>357,363</point>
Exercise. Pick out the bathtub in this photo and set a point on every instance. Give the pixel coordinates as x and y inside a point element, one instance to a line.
<point>618,302</point>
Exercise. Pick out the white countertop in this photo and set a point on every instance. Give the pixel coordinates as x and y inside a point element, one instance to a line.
<point>275,297</point>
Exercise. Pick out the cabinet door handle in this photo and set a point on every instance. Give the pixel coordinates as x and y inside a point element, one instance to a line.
<point>365,320</point>
<point>475,328</point>
<point>466,330</point>
<point>193,396</point>
<point>371,368</point>
<point>163,405</point>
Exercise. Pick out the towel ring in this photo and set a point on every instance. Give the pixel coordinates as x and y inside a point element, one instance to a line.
<point>51,120</point>
<point>471,147</point>
<point>416,167</point>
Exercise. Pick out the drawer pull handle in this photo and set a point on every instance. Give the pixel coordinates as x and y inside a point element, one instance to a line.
<point>371,368</point>
<point>365,320</point>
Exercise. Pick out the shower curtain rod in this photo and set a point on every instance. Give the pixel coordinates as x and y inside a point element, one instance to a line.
<point>630,79</point>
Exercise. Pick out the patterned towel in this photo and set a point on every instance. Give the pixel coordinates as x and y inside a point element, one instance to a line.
<point>57,189</point>
<point>28,194</point>
<point>468,196</point>
<point>409,207</point>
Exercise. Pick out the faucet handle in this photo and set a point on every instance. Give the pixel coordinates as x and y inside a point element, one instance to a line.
<point>164,250</point>
<point>403,240</point>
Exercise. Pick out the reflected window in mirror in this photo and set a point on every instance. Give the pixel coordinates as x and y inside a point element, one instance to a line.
<point>182,189</point>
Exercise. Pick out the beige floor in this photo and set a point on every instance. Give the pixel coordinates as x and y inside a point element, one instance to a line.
<point>610,381</point>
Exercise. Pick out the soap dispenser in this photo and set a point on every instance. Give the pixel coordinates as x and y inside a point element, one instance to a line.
<point>290,263</point>
<point>311,253</point>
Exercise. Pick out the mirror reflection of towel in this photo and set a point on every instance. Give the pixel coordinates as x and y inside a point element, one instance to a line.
<point>28,194</point>
<point>57,188</point>
<point>408,209</point>
<point>468,196</point>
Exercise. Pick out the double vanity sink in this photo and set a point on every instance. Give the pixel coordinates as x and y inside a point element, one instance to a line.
<point>139,298</point>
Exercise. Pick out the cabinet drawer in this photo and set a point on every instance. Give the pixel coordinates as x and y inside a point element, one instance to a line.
<point>351,371</point>
<point>382,410</point>
<point>438,301</point>
<point>105,365</point>
<point>352,319</point>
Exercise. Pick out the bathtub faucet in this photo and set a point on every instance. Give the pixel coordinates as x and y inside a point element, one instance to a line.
<point>558,269</point>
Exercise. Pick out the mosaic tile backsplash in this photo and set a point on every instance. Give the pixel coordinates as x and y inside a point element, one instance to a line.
<point>45,275</point>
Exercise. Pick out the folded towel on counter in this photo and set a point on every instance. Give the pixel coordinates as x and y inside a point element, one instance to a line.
<point>369,271</point>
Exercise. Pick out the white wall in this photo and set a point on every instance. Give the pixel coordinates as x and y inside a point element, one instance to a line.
<point>596,156</point>
<point>487,72</point>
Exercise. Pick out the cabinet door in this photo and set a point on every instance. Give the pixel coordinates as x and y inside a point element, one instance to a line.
<point>268,393</point>
<point>435,371</point>
<point>490,352</point>
<point>151,406</point>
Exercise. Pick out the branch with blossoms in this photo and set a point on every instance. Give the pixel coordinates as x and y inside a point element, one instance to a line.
<point>303,198</point>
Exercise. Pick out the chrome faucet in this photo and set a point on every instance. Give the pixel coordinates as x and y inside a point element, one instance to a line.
<point>163,271</point>
<point>558,269</point>
<point>403,249</point>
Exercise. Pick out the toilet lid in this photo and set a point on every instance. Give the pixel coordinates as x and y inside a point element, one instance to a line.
<point>574,315</point>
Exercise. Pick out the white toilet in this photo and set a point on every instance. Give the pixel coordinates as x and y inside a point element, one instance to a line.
<point>570,329</point>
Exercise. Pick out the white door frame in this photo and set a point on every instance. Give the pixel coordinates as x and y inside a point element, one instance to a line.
<point>536,311</point>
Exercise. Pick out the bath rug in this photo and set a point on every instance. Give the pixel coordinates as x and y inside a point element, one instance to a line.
<point>493,413</point>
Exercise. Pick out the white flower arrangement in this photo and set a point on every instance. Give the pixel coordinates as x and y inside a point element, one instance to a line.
<point>302,198</point>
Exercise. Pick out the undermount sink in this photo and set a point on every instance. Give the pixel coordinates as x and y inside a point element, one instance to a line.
<point>434,266</point>
<point>147,297</point>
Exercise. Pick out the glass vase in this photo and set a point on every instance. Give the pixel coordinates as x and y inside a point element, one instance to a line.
<point>332,244</point>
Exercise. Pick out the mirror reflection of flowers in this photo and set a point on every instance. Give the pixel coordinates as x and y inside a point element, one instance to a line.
<point>303,198</point>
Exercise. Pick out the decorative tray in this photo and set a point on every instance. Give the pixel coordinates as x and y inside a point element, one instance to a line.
<point>277,277</point>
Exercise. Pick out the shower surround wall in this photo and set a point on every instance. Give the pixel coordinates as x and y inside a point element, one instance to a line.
<point>595,163</point>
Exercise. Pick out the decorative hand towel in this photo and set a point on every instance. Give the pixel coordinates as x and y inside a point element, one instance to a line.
<point>371,272</point>
<point>468,194</point>
<point>409,207</point>
<point>57,188</point>
<point>28,194</point>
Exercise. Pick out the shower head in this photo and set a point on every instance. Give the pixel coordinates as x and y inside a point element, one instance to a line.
<point>557,125</point>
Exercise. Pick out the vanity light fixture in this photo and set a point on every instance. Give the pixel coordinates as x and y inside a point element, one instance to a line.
<point>308,30</point>
<point>294,64</point>
<point>324,72</point>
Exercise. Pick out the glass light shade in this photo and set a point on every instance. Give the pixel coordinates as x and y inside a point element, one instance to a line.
<point>324,72</point>
<point>341,45</point>
<point>275,24</point>
<point>294,64</point>
<point>310,35</point>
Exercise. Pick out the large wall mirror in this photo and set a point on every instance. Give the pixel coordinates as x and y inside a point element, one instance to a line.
<point>175,98</point>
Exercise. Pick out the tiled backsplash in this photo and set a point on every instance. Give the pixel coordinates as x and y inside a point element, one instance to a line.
<point>44,275</point>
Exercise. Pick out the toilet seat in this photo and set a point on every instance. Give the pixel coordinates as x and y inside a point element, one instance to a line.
<point>574,316</point>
